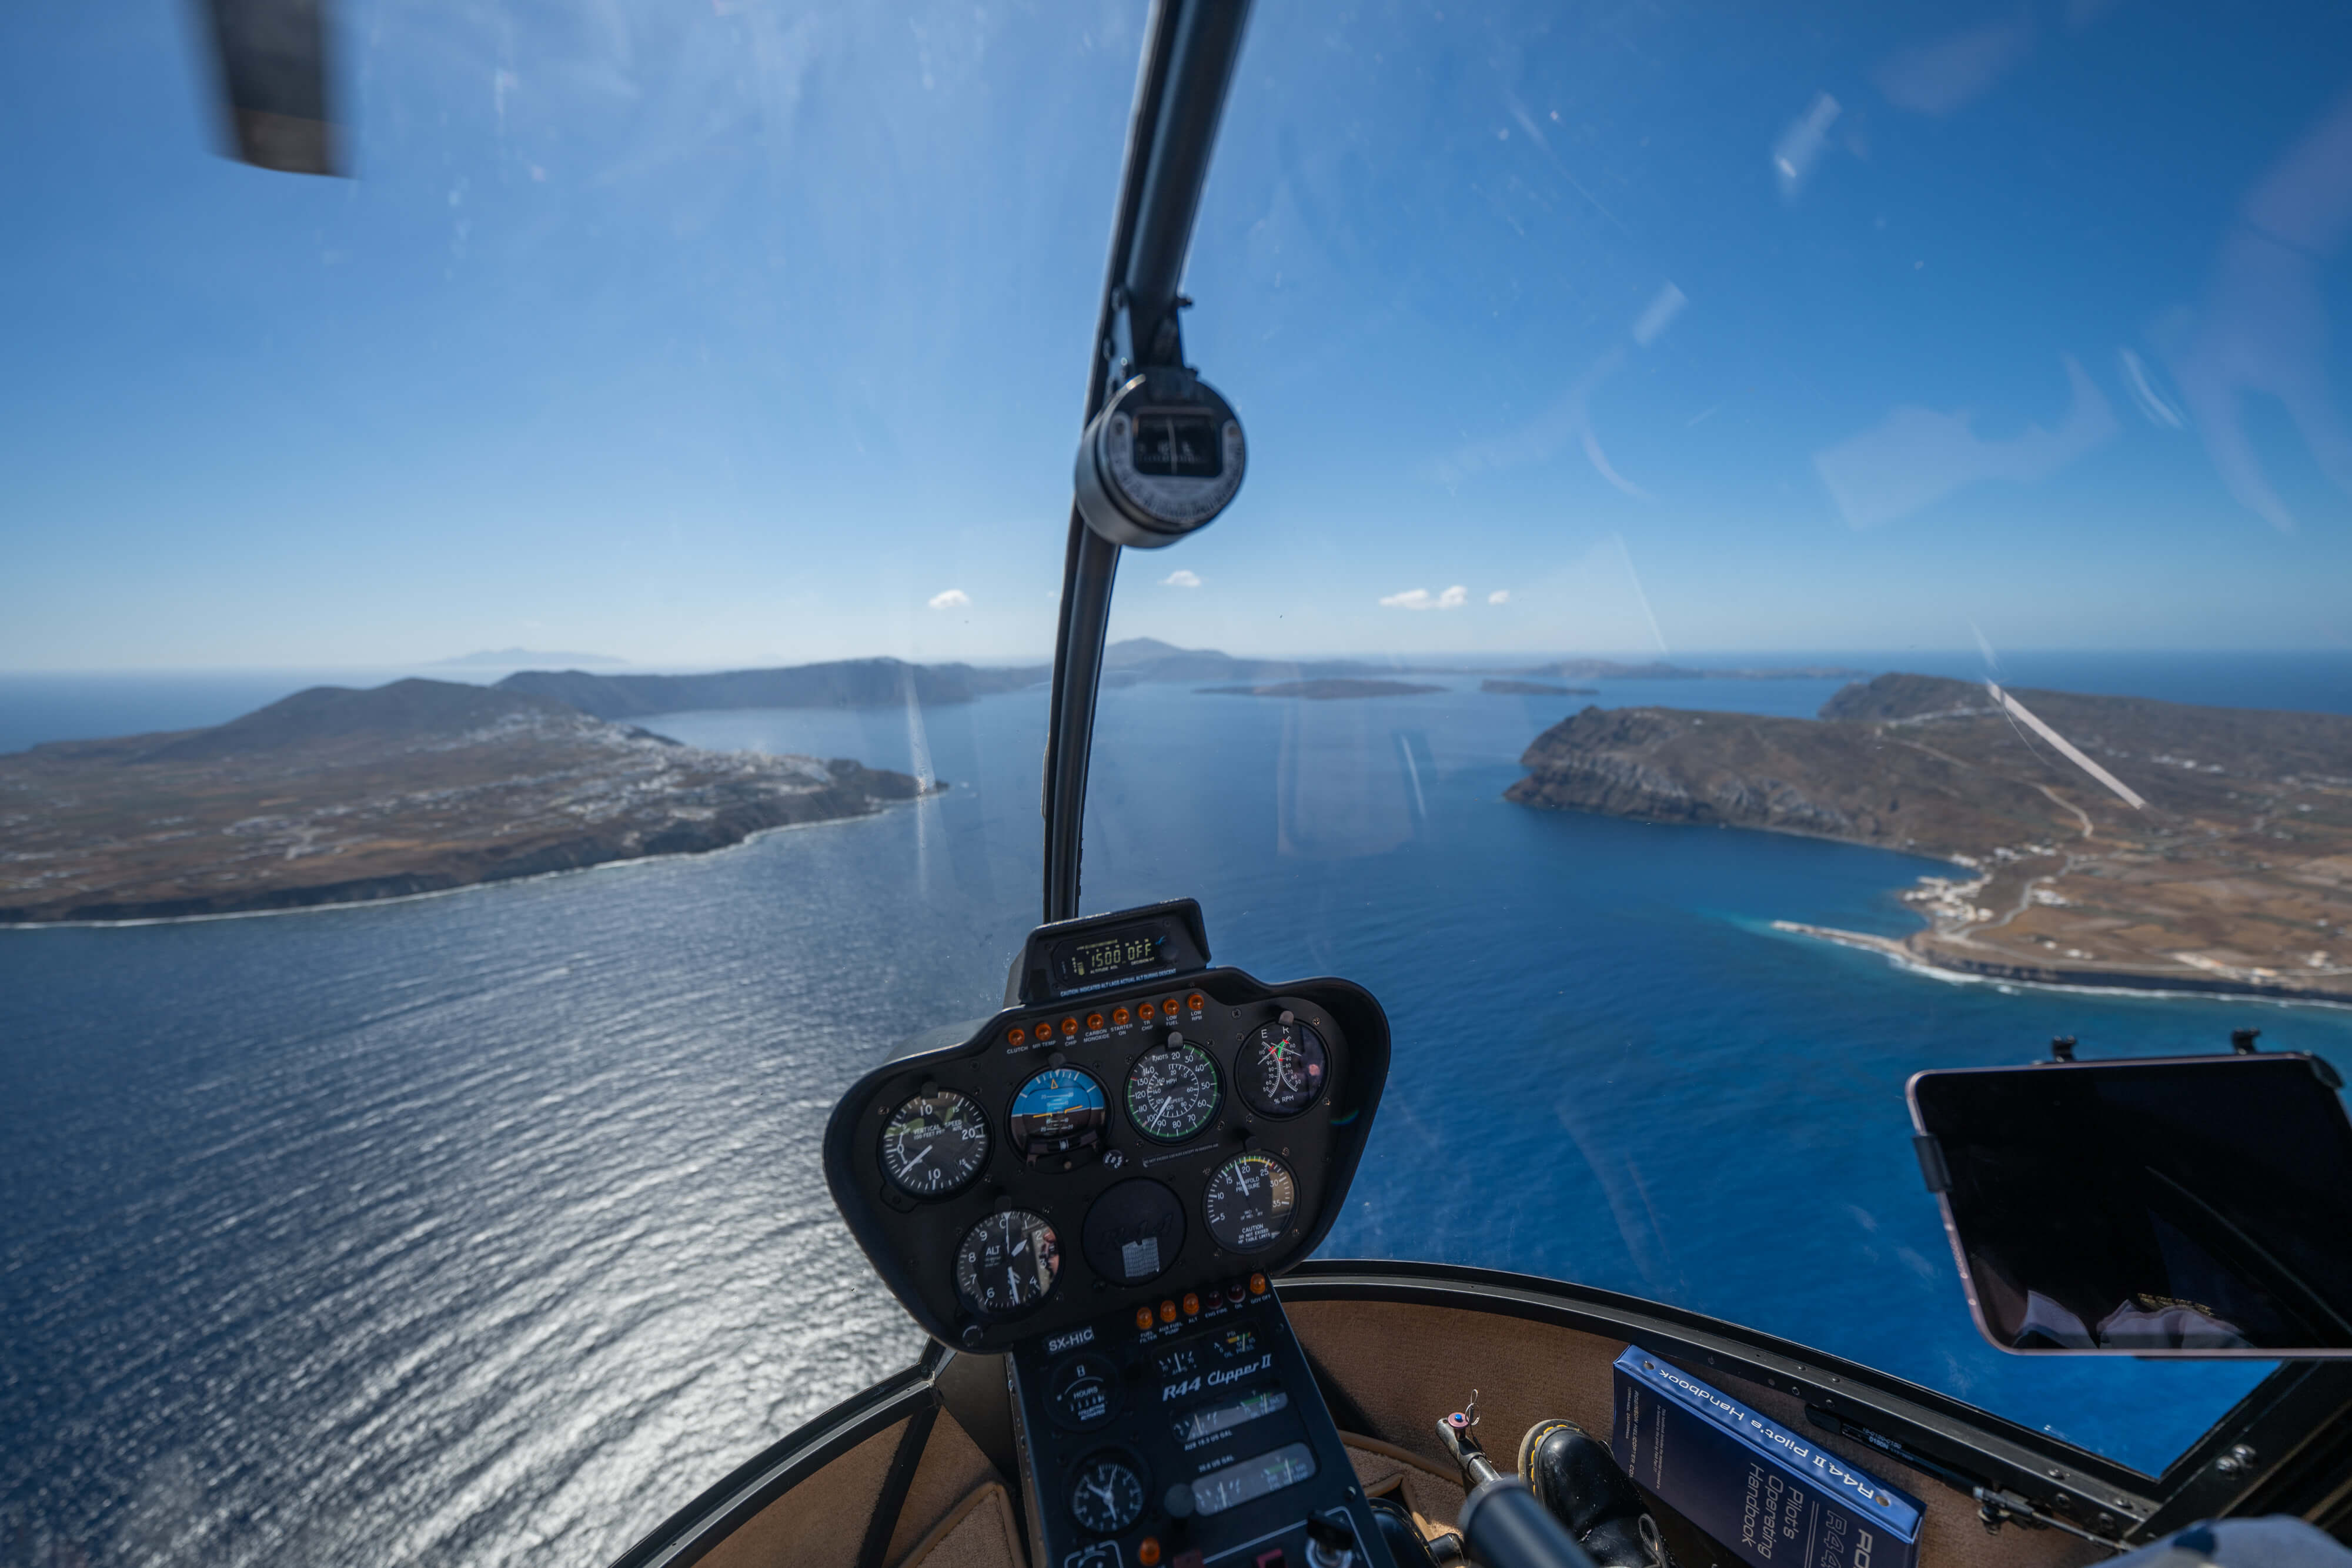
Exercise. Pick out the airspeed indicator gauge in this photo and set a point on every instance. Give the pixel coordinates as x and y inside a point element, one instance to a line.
<point>935,1144</point>
<point>1172,1090</point>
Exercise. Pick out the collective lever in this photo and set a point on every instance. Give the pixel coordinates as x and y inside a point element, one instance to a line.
<point>1502,1524</point>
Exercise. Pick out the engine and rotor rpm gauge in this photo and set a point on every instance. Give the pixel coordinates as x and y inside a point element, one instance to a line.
<point>1172,1090</point>
<point>1283,1068</point>
<point>1007,1263</point>
<point>1249,1202</point>
<point>934,1144</point>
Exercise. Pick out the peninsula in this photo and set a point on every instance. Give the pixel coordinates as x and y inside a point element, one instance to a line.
<point>336,796</point>
<point>2234,875</point>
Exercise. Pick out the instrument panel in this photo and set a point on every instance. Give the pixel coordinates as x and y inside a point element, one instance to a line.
<point>1140,1128</point>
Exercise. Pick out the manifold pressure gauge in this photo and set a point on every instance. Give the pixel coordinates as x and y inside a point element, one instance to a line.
<point>1163,457</point>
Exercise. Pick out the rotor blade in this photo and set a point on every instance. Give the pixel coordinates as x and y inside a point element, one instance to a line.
<point>273,59</point>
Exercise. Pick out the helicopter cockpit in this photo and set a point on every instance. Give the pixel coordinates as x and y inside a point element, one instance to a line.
<point>1674,895</point>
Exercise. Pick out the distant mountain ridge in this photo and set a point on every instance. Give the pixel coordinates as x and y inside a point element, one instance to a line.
<point>840,683</point>
<point>1134,661</point>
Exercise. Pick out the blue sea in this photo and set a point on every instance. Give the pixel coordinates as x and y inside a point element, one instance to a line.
<point>488,1228</point>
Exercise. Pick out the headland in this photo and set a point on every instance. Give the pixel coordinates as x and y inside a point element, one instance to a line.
<point>2234,875</point>
<point>337,795</point>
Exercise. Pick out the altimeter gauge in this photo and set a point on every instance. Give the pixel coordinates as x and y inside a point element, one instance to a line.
<point>1007,1263</point>
<point>1249,1200</point>
<point>1283,1068</point>
<point>935,1143</point>
<point>1107,1496</point>
<point>1172,1090</point>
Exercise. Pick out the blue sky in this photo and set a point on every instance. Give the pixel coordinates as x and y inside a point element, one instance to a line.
<point>738,332</point>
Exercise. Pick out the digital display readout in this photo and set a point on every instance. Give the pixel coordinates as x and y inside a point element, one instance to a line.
<point>1090,960</point>
<point>1220,1418</point>
<point>1253,1478</point>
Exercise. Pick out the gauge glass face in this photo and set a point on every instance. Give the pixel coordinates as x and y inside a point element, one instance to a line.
<point>1283,1069</point>
<point>1084,1390</point>
<point>1249,1202</point>
<point>935,1144</point>
<point>1060,1108</point>
<point>1007,1262</point>
<point>1172,1091</point>
<point>1108,1495</point>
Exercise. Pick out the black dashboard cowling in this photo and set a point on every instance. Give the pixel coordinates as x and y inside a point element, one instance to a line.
<point>913,1242</point>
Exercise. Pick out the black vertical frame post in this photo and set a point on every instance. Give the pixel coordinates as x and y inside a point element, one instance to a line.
<point>1190,48</point>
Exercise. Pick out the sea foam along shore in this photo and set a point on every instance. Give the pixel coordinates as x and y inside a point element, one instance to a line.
<point>2110,982</point>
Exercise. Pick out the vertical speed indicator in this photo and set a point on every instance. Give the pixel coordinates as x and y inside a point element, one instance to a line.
<point>935,1144</point>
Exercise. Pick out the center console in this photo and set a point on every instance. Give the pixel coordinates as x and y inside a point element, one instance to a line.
<point>1100,1182</point>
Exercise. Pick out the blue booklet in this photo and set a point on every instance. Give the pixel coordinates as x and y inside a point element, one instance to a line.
<point>1777,1499</point>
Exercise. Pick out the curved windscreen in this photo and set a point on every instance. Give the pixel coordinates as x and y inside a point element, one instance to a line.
<point>1775,557</point>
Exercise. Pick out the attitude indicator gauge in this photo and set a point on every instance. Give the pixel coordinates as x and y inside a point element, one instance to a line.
<point>1172,1090</point>
<point>1283,1068</point>
<point>1249,1200</point>
<point>935,1144</point>
<point>1007,1263</point>
<point>1057,1113</point>
<point>1108,1495</point>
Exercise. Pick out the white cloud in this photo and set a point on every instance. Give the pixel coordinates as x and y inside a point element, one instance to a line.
<point>951,599</point>
<point>1916,457</point>
<point>1500,596</point>
<point>1179,578</point>
<point>1454,598</point>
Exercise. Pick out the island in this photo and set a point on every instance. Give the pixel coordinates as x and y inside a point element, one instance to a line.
<point>2234,874</point>
<point>1658,670</point>
<point>1535,689</point>
<point>338,796</point>
<point>1328,689</point>
<point>837,682</point>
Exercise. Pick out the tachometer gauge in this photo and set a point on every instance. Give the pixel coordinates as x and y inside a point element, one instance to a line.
<point>1007,1262</point>
<point>1282,1068</point>
<point>1249,1202</point>
<point>1108,1495</point>
<point>935,1144</point>
<point>1058,1111</point>
<point>1172,1090</point>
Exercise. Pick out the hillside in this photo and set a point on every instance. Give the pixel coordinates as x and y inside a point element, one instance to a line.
<point>2236,874</point>
<point>336,796</point>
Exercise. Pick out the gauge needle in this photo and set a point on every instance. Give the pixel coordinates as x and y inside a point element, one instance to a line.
<point>918,1159</point>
